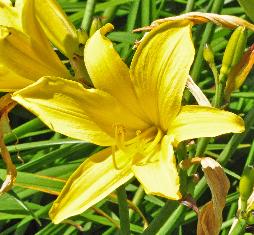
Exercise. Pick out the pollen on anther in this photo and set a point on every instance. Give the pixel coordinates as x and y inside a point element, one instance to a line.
<point>138,132</point>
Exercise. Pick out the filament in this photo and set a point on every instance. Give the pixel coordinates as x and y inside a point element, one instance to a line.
<point>151,149</point>
<point>120,134</point>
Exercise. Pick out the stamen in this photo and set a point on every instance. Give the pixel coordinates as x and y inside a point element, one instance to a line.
<point>140,142</point>
<point>155,142</point>
<point>152,147</point>
<point>114,157</point>
<point>142,138</point>
<point>146,135</point>
<point>120,133</point>
<point>138,132</point>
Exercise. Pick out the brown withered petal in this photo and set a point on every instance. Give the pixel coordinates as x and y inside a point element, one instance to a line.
<point>227,21</point>
<point>210,216</point>
<point>208,224</point>
<point>197,93</point>
<point>6,104</point>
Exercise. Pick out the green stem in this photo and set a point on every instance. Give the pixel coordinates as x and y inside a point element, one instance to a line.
<point>181,151</point>
<point>157,12</point>
<point>189,6</point>
<point>174,220</point>
<point>239,227</point>
<point>137,199</point>
<point>109,14</point>
<point>153,10</point>
<point>88,15</point>
<point>145,13</point>
<point>196,70</point>
<point>231,213</point>
<point>123,211</point>
<point>132,17</point>
<point>250,158</point>
<point>218,99</point>
<point>201,146</point>
<point>225,225</point>
<point>219,91</point>
<point>35,124</point>
<point>157,222</point>
<point>131,21</point>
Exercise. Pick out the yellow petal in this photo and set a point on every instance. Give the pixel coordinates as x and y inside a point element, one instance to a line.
<point>160,69</point>
<point>107,70</point>
<point>58,28</point>
<point>21,55</point>
<point>160,176</point>
<point>59,105</point>
<point>33,29</point>
<point>9,16</point>
<point>95,179</point>
<point>10,81</point>
<point>30,24</point>
<point>199,121</point>
<point>66,107</point>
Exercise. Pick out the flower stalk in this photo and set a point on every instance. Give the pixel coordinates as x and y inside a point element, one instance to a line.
<point>123,211</point>
<point>88,15</point>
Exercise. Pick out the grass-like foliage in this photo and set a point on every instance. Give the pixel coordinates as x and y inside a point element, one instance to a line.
<point>187,168</point>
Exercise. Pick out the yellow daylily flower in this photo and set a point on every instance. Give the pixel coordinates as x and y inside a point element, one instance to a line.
<point>137,111</point>
<point>25,52</point>
<point>52,19</point>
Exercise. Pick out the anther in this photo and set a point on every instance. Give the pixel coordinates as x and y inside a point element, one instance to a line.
<point>120,133</point>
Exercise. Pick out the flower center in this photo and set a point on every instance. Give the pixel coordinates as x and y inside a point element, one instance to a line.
<point>143,144</point>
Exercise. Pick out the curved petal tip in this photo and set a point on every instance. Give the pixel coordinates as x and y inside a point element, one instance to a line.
<point>106,29</point>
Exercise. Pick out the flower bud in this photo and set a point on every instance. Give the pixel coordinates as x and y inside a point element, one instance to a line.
<point>82,36</point>
<point>208,54</point>
<point>56,25</point>
<point>233,52</point>
<point>96,24</point>
<point>239,72</point>
<point>246,186</point>
<point>250,217</point>
<point>209,57</point>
